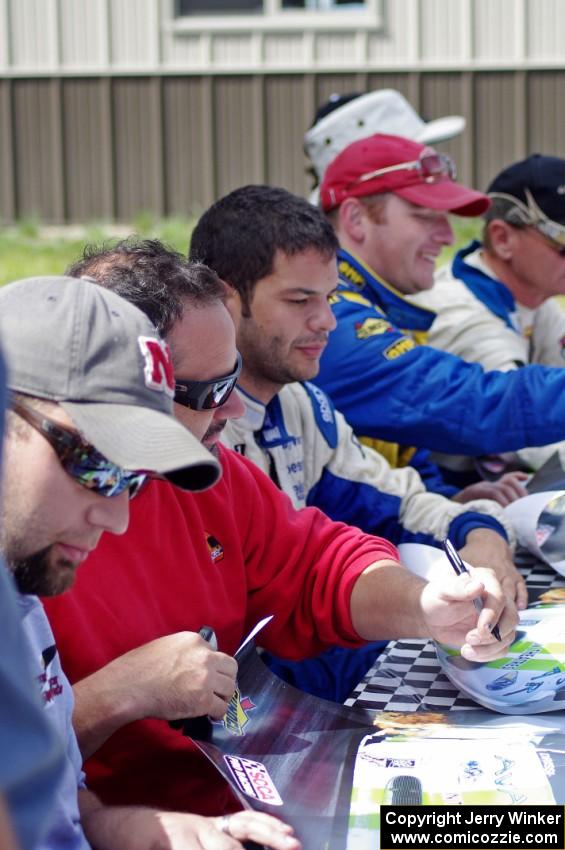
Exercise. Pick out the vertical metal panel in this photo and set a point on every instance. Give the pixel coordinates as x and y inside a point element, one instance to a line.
<point>83,33</point>
<point>137,145</point>
<point>88,152</point>
<point>499,30</point>
<point>442,30</point>
<point>545,25</point>
<point>237,147</point>
<point>37,140</point>
<point>495,139</point>
<point>188,147</point>
<point>441,95</point>
<point>134,29</point>
<point>34,34</point>
<point>7,158</point>
<point>80,149</point>
<point>546,117</point>
<point>398,43</point>
<point>286,102</point>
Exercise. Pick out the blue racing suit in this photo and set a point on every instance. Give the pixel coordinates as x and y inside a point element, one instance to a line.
<point>391,388</point>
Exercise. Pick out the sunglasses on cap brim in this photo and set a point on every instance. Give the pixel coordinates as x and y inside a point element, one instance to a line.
<point>80,459</point>
<point>530,215</point>
<point>430,167</point>
<point>207,395</point>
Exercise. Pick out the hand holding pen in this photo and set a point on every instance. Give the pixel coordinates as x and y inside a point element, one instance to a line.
<point>459,568</point>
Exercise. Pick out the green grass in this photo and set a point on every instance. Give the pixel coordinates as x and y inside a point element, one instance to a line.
<point>28,249</point>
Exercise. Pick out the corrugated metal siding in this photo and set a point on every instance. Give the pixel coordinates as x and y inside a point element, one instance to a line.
<point>88,144</point>
<point>130,36</point>
<point>546,115</point>
<point>138,150</point>
<point>91,148</point>
<point>38,150</point>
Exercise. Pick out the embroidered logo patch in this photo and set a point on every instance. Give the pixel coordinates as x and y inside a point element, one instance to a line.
<point>371,327</point>
<point>401,346</point>
<point>252,778</point>
<point>50,685</point>
<point>215,548</point>
<point>345,270</point>
<point>158,369</point>
<point>236,717</point>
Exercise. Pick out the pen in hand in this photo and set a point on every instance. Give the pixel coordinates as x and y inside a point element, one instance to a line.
<point>459,568</point>
<point>198,727</point>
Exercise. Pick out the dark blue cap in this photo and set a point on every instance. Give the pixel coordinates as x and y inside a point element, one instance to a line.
<point>543,175</point>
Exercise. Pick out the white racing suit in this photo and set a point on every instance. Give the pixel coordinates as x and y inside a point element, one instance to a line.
<point>479,320</point>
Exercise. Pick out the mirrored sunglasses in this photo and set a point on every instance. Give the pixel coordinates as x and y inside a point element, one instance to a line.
<point>530,215</point>
<point>431,166</point>
<point>80,459</point>
<point>207,395</point>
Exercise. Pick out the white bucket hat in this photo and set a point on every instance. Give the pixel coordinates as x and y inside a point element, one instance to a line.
<point>382,111</point>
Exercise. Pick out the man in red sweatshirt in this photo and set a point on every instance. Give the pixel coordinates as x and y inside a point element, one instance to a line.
<point>225,558</point>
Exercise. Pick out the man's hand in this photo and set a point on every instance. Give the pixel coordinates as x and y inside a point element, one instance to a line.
<point>173,677</point>
<point>451,617</point>
<point>508,488</point>
<point>136,828</point>
<point>489,551</point>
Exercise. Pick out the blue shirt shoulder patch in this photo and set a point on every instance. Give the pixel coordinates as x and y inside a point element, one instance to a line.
<point>324,413</point>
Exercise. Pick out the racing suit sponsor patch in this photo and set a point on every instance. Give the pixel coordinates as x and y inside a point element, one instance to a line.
<point>401,346</point>
<point>352,275</point>
<point>371,327</point>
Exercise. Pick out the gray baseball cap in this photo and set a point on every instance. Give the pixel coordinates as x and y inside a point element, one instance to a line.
<point>78,344</point>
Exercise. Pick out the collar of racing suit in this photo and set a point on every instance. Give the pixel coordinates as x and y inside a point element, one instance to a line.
<point>266,421</point>
<point>468,267</point>
<point>356,276</point>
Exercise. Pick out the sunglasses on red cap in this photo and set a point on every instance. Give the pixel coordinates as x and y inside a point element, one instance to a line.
<point>81,460</point>
<point>207,395</point>
<point>430,167</point>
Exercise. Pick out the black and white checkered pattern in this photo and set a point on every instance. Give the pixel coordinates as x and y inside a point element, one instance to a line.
<point>408,677</point>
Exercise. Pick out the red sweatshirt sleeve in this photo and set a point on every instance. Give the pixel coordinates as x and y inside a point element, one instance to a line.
<point>300,565</point>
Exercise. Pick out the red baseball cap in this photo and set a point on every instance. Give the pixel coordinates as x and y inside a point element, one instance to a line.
<point>375,165</point>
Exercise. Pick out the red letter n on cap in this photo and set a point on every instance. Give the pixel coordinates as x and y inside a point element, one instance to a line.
<point>158,371</point>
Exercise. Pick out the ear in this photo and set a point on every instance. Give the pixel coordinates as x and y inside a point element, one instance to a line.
<point>352,215</point>
<point>233,303</point>
<point>502,238</point>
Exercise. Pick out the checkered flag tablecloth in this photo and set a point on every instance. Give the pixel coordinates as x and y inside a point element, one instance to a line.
<point>407,675</point>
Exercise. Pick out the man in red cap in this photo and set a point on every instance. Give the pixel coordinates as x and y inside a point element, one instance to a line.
<point>388,199</point>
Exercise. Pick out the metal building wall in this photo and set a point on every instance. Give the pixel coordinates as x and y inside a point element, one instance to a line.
<point>109,147</point>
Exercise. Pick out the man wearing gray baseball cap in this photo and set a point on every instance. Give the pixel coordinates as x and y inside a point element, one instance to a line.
<point>91,415</point>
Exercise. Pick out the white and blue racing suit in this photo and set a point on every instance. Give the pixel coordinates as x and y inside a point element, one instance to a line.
<point>478,319</point>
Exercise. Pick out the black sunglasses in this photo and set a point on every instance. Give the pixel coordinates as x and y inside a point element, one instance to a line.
<point>80,459</point>
<point>207,395</point>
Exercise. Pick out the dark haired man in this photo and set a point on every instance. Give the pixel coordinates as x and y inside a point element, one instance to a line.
<point>388,199</point>
<point>277,253</point>
<point>226,559</point>
<point>91,416</point>
<point>494,303</point>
